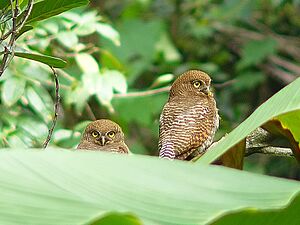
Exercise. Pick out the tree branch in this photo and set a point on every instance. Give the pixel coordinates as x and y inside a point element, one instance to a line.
<point>9,48</point>
<point>270,150</point>
<point>143,93</point>
<point>56,108</point>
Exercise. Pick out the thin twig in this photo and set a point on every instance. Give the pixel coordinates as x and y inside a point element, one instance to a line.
<point>143,93</point>
<point>56,108</point>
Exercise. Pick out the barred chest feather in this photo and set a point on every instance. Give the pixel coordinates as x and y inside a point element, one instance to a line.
<point>187,128</point>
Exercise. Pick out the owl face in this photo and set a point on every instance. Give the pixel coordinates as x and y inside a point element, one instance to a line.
<point>103,132</point>
<point>191,83</point>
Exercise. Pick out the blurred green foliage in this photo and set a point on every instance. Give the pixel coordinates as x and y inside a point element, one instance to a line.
<point>114,48</point>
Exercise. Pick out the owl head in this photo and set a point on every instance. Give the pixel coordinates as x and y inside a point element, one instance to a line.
<point>103,132</point>
<point>191,83</point>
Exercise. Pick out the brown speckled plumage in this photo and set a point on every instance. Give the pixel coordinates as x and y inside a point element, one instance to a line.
<point>189,119</point>
<point>103,142</point>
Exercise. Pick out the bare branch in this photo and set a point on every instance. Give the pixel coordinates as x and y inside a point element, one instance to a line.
<point>56,108</point>
<point>270,150</point>
<point>278,73</point>
<point>286,64</point>
<point>9,49</point>
<point>225,84</point>
<point>143,93</point>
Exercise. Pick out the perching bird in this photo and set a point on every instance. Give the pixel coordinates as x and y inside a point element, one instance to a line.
<point>103,135</point>
<point>189,119</point>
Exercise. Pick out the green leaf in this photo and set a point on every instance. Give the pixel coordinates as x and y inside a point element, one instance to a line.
<point>34,128</point>
<point>87,63</point>
<point>78,96</point>
<point>64,187</point>
<point>116,80</point>
<point>138,42</point>
<point>12,90</point>
<point>104,90</point>
<point>116,219</point>
<point>4,3</point>
<point>162,79</point>
<point>40,101</point>
<point>49,8</point>
<point>273,107</point>
<point>48,60</point>
<point>251,216</point>
<point>24,30</point>
<point>153,105</point>
<point>256,51</point>
<point>68,39</point>
<point>248,80</point>
<point>92,82</point>
<point>167,48</point>
<point>288,126</point>
<point>108,32</point>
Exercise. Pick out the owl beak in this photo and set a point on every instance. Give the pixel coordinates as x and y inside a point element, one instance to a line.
<point>207,91</point>
<point>103,140</point>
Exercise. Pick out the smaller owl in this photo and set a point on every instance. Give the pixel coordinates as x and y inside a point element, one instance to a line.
<point>103,135</point>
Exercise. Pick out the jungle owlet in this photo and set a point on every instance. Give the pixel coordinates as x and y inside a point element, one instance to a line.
<point>189,119</point>
<point>103,135</point>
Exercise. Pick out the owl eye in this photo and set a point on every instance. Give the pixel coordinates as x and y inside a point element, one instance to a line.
<point>95,134</point>
<point>111,134</point>
<point>197,83</point>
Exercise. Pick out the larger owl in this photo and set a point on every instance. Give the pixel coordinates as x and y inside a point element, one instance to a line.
<point>189,119</point>
<point>103,135</point>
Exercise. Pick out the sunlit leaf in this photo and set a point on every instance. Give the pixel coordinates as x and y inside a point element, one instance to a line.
<point>166,47</point>
<point>116,80</point>
<point>162,79</point>
<point>87,63</point>
<point>108,32</point>
<point>68,39</point>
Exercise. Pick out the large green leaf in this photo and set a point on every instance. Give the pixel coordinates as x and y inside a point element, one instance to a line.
<point>285,101</point>
<point>48,8</point>
<point>65,187</point>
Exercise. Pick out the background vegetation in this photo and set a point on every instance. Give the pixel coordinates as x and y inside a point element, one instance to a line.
<point>121,59</point>
<point>114,48</point>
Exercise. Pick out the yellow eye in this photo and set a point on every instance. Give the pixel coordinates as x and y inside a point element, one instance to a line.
<point>95,134</point>
<point>111,134</point>
<point>197,84</point>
